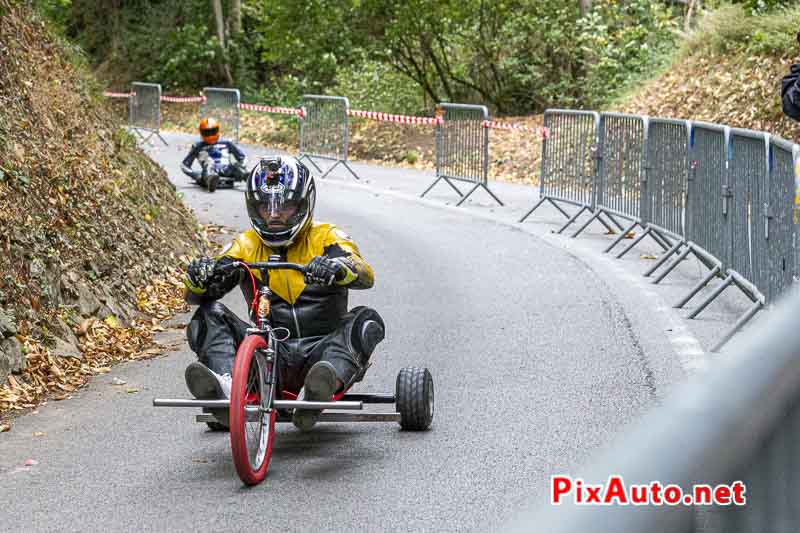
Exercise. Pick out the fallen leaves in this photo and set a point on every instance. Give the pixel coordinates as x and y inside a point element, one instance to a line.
<point>700,87</point>
<point>93,209</point>
<point>103,343</point>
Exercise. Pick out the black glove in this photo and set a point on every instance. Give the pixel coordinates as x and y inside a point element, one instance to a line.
<point>323,271</point>
<point>199,274</point>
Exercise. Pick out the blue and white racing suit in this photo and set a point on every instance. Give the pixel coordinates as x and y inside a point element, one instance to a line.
<point>219,155</point>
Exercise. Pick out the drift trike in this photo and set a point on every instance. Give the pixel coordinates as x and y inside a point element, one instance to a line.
<point>257,400</point>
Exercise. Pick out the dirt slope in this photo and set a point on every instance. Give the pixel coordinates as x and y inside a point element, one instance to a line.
<point>91,231</point>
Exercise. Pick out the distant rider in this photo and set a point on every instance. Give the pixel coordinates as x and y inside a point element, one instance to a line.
<point>218,152</point>
<point>790,91</point>
<point>329,346</point>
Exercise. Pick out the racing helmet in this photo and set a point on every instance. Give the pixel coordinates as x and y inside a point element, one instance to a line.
<point>209,130</point>
<point>280,199</point>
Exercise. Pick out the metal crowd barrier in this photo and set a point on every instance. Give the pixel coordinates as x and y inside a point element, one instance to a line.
<point>325,131</point>
<point>462,148</point>
<point>781,228</point>
<point>620,178</point>
<point>740,422</point>
<point>725,196</point>
<point>222,105</point>
<point>144,110</point>
<point>664,193</point>
<point>569,163</point>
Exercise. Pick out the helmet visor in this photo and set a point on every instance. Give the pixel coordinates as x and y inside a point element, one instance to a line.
<point>279,213</point>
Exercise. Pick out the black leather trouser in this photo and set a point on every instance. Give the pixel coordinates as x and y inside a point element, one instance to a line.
<point>215,332</point>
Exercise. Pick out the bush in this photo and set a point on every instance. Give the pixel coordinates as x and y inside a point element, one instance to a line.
<point>756,7</point>
<point>733,28</point>
<point>620,42</point>
<point>377,86</point>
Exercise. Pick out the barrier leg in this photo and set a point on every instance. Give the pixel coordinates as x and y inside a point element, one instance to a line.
<point>661,240</point>
<point>310,160</point>
<point>535,207</point>
<point>572,219</point>
<point>611,231</point>
<point>633,244</point>
<point>594,216</point>
<point>614,220</point>
<point>705,281</point>
<point>162,139</point>
<point>453,185</point>
<point>663,259</point>
<point>472,190</point>
<point>437,181</point>
<point>621,236</point>
<point>147,140</point>
<point>675,263</point>
<point>744,319</point>
<point>555,204</point>
<point>492,194</point>
<point>330,169</point>
<point>713,296</point>
<point>350,170</point>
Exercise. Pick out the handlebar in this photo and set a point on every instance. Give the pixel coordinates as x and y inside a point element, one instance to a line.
<point>268,265</point>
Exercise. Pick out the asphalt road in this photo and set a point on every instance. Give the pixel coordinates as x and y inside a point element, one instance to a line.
<point>537,362</point>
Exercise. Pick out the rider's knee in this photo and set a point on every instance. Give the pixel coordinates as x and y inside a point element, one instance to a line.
<point>367,331</point>
<point>212,309</point>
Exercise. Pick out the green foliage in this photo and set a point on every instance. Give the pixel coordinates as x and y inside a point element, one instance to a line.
<point>732,28</point>
<point>376,85</point>
<point>619,41</point>
<point>186,57</point>
<point>56,11</point>
<point>516,56</point>
<point>758,7</point>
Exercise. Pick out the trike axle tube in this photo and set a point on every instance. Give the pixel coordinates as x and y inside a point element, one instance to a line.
<point>278,404</point>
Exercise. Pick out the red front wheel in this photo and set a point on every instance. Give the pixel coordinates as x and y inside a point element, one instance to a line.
<point>252,426</point>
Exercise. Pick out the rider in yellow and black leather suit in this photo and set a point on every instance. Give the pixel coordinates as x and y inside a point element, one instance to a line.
<point>329,346</point>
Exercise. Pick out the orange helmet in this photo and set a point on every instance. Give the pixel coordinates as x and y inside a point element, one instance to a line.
<point>209,130</point>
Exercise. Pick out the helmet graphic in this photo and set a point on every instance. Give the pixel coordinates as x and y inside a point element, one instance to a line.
<point>280,199</point>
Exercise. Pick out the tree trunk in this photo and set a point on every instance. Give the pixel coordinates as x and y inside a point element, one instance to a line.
<point>585,6</point>
<point>236,17</point>
<point>216,7</point>
<point>689,12</point>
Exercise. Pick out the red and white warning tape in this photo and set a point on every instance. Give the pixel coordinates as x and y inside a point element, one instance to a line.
<point>399,119</point>
<point>543,132</point>
<point>183,99</point>
<point>177,99</point>
<point>271,109</point>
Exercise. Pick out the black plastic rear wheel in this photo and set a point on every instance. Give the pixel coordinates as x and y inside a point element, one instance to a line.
<point>212,182</point>
<point>414,397</point>
<point>221,424</point>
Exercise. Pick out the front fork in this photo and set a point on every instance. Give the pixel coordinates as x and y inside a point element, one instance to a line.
<point>268,356</point>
